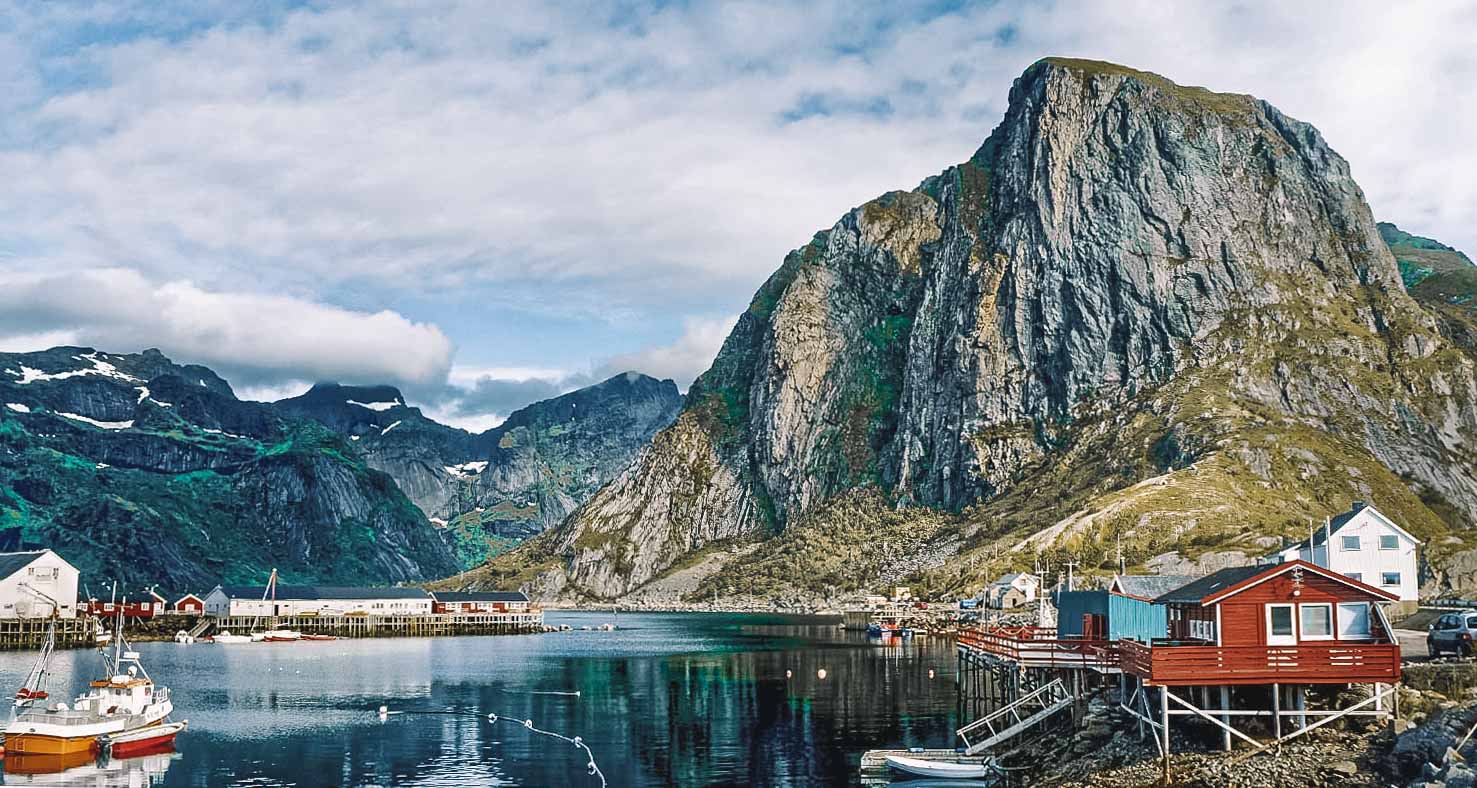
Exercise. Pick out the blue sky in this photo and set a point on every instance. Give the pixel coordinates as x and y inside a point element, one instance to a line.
<point>488,203</point>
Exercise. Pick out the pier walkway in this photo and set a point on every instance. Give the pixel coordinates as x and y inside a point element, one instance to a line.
<point>365,626</point>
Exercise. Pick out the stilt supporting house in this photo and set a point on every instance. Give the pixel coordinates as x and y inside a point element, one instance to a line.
<point>1239,651</point>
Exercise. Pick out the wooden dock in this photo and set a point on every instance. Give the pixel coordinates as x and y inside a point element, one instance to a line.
<point>28,633</point>
<point>428,625</point>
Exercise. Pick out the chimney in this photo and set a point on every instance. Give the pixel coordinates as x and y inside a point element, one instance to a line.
<point>1358,506</point>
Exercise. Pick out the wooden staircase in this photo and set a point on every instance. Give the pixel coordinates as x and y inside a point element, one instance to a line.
<point>1010,721</point>
<point>200,627</point>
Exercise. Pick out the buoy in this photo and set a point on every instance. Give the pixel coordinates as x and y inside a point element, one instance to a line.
<point>821,674</point>
<point>930,672</point>
<point>789,674</point>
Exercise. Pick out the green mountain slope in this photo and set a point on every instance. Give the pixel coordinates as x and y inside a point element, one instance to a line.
<point>138,469</point>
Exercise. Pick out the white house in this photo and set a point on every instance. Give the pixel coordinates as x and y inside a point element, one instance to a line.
<point>37,584</point>
<point>1013,590</point>
<point>317,601</point>
<point>1365,545</point>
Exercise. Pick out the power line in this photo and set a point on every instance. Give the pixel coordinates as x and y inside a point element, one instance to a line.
<point>493,717</point>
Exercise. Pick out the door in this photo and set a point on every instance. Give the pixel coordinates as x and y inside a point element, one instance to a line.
<point>1281,625</point>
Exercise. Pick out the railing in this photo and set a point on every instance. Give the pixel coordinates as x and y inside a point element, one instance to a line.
<point>1311,663</point>
<point>1040,647</point>
<point>1009,721</point>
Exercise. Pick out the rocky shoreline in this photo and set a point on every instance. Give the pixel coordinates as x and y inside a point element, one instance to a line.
<point>1427,748</point>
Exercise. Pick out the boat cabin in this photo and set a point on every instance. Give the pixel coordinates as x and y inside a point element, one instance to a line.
<point>1270,623</point>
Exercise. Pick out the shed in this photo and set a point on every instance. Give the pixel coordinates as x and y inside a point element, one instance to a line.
<point>1101,615</point>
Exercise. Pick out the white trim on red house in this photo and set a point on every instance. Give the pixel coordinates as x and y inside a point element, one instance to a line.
<point>1288,566</point>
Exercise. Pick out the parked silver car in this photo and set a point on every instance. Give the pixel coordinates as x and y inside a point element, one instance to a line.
<point>1452,633</point>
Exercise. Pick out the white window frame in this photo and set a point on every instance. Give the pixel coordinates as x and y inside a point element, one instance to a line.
<point>1384,575</point>
<point>1394,538</point>
<point>1368,620</point>
<point>1344,543</point>
<point>1332,625</point>
<point>1289,639</point>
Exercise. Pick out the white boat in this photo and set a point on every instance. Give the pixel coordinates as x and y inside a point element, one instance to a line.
<point>943,769</point>
<point>225,636</point>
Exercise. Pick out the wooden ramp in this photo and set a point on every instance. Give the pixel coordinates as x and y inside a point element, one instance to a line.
<point>1007,722</point>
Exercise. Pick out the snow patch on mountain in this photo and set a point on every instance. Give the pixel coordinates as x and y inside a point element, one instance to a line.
<point>107,425</point>
<point>377,406</point>
<point>466,469</point>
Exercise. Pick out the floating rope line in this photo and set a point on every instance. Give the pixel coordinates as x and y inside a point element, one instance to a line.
<point>493,717</point>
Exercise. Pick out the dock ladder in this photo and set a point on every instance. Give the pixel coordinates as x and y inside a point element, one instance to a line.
<point>1015,718</point>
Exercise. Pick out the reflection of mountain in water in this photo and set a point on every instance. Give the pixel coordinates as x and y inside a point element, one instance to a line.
<point>83,769</point>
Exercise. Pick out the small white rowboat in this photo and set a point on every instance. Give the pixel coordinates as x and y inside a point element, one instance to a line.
<point>944,769</point>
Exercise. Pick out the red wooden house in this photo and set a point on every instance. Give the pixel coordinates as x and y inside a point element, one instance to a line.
<point>188,605</point>
<point>151,605</point>
<point>1280,623</point>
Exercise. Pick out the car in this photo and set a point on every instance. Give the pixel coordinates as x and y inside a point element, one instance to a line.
<point>1452,633</point>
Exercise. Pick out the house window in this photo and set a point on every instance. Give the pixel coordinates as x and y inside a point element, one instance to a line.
<point>1355,576</point>
<point>1349,542</point>
<point>1389,578</point>
<point>1389,542</point>
<point>1317,621</point>
<point>1280,617</point>
<point>1353,620</point>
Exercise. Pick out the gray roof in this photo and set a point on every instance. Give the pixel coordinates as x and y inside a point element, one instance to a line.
<point>1151,586</point>
<point>1010,578</point>
<point>1212,583</point>
<point>480,596</point>
<point>309,593</point>
<point>10,563</point>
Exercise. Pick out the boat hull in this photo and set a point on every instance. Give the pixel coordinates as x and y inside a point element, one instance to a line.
<point>41,744</point>
<point>938,769</point>
<point>144,741</point>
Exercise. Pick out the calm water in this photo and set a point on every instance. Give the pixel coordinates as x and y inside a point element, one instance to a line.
<point>669,699</point>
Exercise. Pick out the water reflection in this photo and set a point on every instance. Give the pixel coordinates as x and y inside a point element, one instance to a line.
<point>666,699</point>
<point>83,769</point>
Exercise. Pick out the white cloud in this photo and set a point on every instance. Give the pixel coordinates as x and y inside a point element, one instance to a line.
<point>258,335</point>
<point>613,168</point>
<point>683,360</point>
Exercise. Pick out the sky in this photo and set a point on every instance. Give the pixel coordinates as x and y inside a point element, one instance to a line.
<point>487,204</point>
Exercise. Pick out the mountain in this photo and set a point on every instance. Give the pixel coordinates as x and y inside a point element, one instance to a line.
<point>1141,317</point>
<point>137,468</point>
<point>494,489</point>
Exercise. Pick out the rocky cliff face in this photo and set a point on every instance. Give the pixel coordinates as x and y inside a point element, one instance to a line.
<point>1141,313</point>
<point>135,468</point>
<point>493,490</point>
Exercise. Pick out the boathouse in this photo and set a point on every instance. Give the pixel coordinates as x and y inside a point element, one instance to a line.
<point>227,601</point>
<point>466,602</point>
<point>1365,545</point>
<point>188,605</point>
<point>37,584</point>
